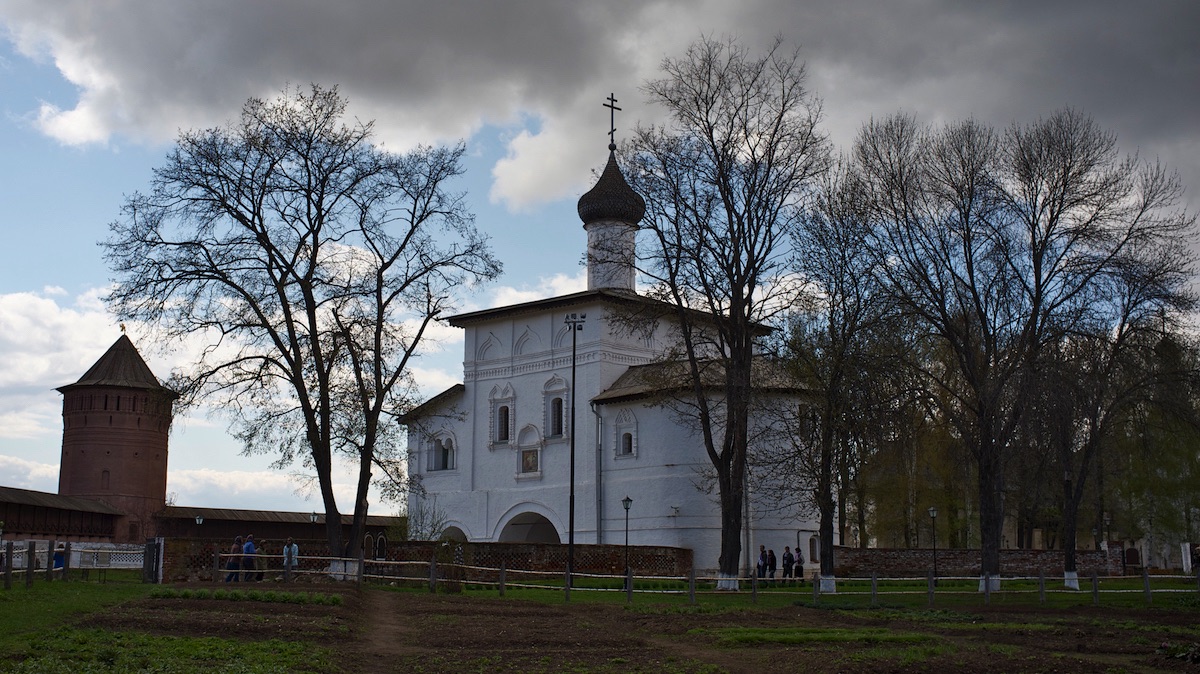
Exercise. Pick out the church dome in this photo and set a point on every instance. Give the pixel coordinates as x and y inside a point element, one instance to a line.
<point>611,198</point>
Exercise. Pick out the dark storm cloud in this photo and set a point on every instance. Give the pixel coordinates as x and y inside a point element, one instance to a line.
<point>439,70</point>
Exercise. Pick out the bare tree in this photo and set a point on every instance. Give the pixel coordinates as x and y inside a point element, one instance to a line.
<point>311,263</point>
<point>724,182</point>
<point>831,343</point>
<point>998,242</point>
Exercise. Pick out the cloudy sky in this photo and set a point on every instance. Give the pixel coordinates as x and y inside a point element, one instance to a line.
<point>93,92</point>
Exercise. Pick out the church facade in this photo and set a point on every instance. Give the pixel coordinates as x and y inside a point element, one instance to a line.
<point>570,375</point>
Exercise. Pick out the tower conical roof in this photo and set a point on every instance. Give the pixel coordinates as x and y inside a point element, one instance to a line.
<point>611,198</point>
<point>122,366</point>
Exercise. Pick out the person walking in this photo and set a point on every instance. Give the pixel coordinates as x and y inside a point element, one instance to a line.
<point>291,553</point>
<point>234,562</point>
<point>771,566</point>
<point>789,561</point>
<point>248,551</point>
<point>762,561</point>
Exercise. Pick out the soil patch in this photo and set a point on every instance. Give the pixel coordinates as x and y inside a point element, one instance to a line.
<point>379,630</point>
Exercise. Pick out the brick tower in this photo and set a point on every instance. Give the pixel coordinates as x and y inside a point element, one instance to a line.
<point>115,424</point>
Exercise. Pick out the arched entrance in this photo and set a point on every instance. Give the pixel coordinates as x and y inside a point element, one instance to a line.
<point>453,533</point>
<point>529,528</point>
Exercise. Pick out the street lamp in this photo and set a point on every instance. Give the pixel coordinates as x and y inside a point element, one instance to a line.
<point>199,519</point>
<point>313,518</point>
<point>626,502</point>
<point>576,323</point>
<point>933,526</point>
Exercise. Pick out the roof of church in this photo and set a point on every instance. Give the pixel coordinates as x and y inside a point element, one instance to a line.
<point>434,402</point>
<point>47,500</point>
<point>612,198</point>
<point>605,294</point>
<point>653,379</point>
<point>121,366</point>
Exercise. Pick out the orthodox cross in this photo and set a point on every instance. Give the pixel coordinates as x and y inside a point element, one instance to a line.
<point>612,118</point>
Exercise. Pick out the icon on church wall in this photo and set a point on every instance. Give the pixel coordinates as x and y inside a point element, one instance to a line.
<point>529,461</point>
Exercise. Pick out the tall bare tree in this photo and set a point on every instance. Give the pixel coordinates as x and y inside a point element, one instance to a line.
<point>310,262</point>
<point>831,345</point>
<point>998,242</point>
<point>724,182</point>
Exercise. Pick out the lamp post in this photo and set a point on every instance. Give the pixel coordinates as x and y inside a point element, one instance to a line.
<point>627,502</point>
<point>933,526</point>
<point>199,519</point>
<point>576,323</point>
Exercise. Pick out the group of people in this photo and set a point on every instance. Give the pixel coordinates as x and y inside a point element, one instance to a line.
<point>248,561</point>
<point>793,564</point>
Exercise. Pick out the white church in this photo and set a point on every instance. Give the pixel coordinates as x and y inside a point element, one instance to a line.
<point>493,454</point>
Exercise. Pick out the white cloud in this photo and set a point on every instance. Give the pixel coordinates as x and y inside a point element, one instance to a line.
<point>26,474</point>
<point>552,286</point>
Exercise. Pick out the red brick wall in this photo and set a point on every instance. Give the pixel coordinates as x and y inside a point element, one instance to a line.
<point>901,562</point>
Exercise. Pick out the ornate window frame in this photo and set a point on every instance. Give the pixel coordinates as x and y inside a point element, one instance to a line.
<point>625,445</point>
<point>502,420</point>
<point>556,389</point>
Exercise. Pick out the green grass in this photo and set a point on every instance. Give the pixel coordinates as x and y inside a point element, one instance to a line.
<point>71,650</point>
<point>46,605</point>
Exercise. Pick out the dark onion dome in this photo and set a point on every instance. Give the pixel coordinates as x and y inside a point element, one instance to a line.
<point>611,198</point>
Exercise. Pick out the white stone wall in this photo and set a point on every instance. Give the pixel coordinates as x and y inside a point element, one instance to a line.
<point>485,490</point>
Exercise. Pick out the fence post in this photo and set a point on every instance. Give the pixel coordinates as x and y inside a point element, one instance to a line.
<point>754,588</point>
<point>628,585</point>
<point>692,585</point>
<point>1041,586</point>
<point>929,579</point>
<point>816,587</point>
<point>875,589</point>
<point>433,574</point>
<point>567,585</point>
<point>1146,584</point>
<point>8,550</point>
<point>66,560</point>
<point>1095,589</point>
<point>30,563</point>
<point>1197,570</point>
<point>987,588</point>
<point>50,561</point>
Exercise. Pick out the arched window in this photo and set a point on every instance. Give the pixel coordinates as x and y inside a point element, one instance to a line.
<point>556,417</point>
<point>104,479</point>
<point>503,421</point>
<point>442,454</point>
<point>554,396</point>
<point>814,554</point>
<point>627,434</point>
<point>381,547</point>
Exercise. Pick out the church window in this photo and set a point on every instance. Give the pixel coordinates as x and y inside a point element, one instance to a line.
<point>104,479</point>
<point>502,418</point>
<point>502,423</point>
<point>556,417</point>
<point>554,395</point>
<point>627,434</point>
<point>442,454</point>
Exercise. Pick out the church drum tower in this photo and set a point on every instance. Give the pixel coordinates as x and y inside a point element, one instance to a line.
<point>116,419</point>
